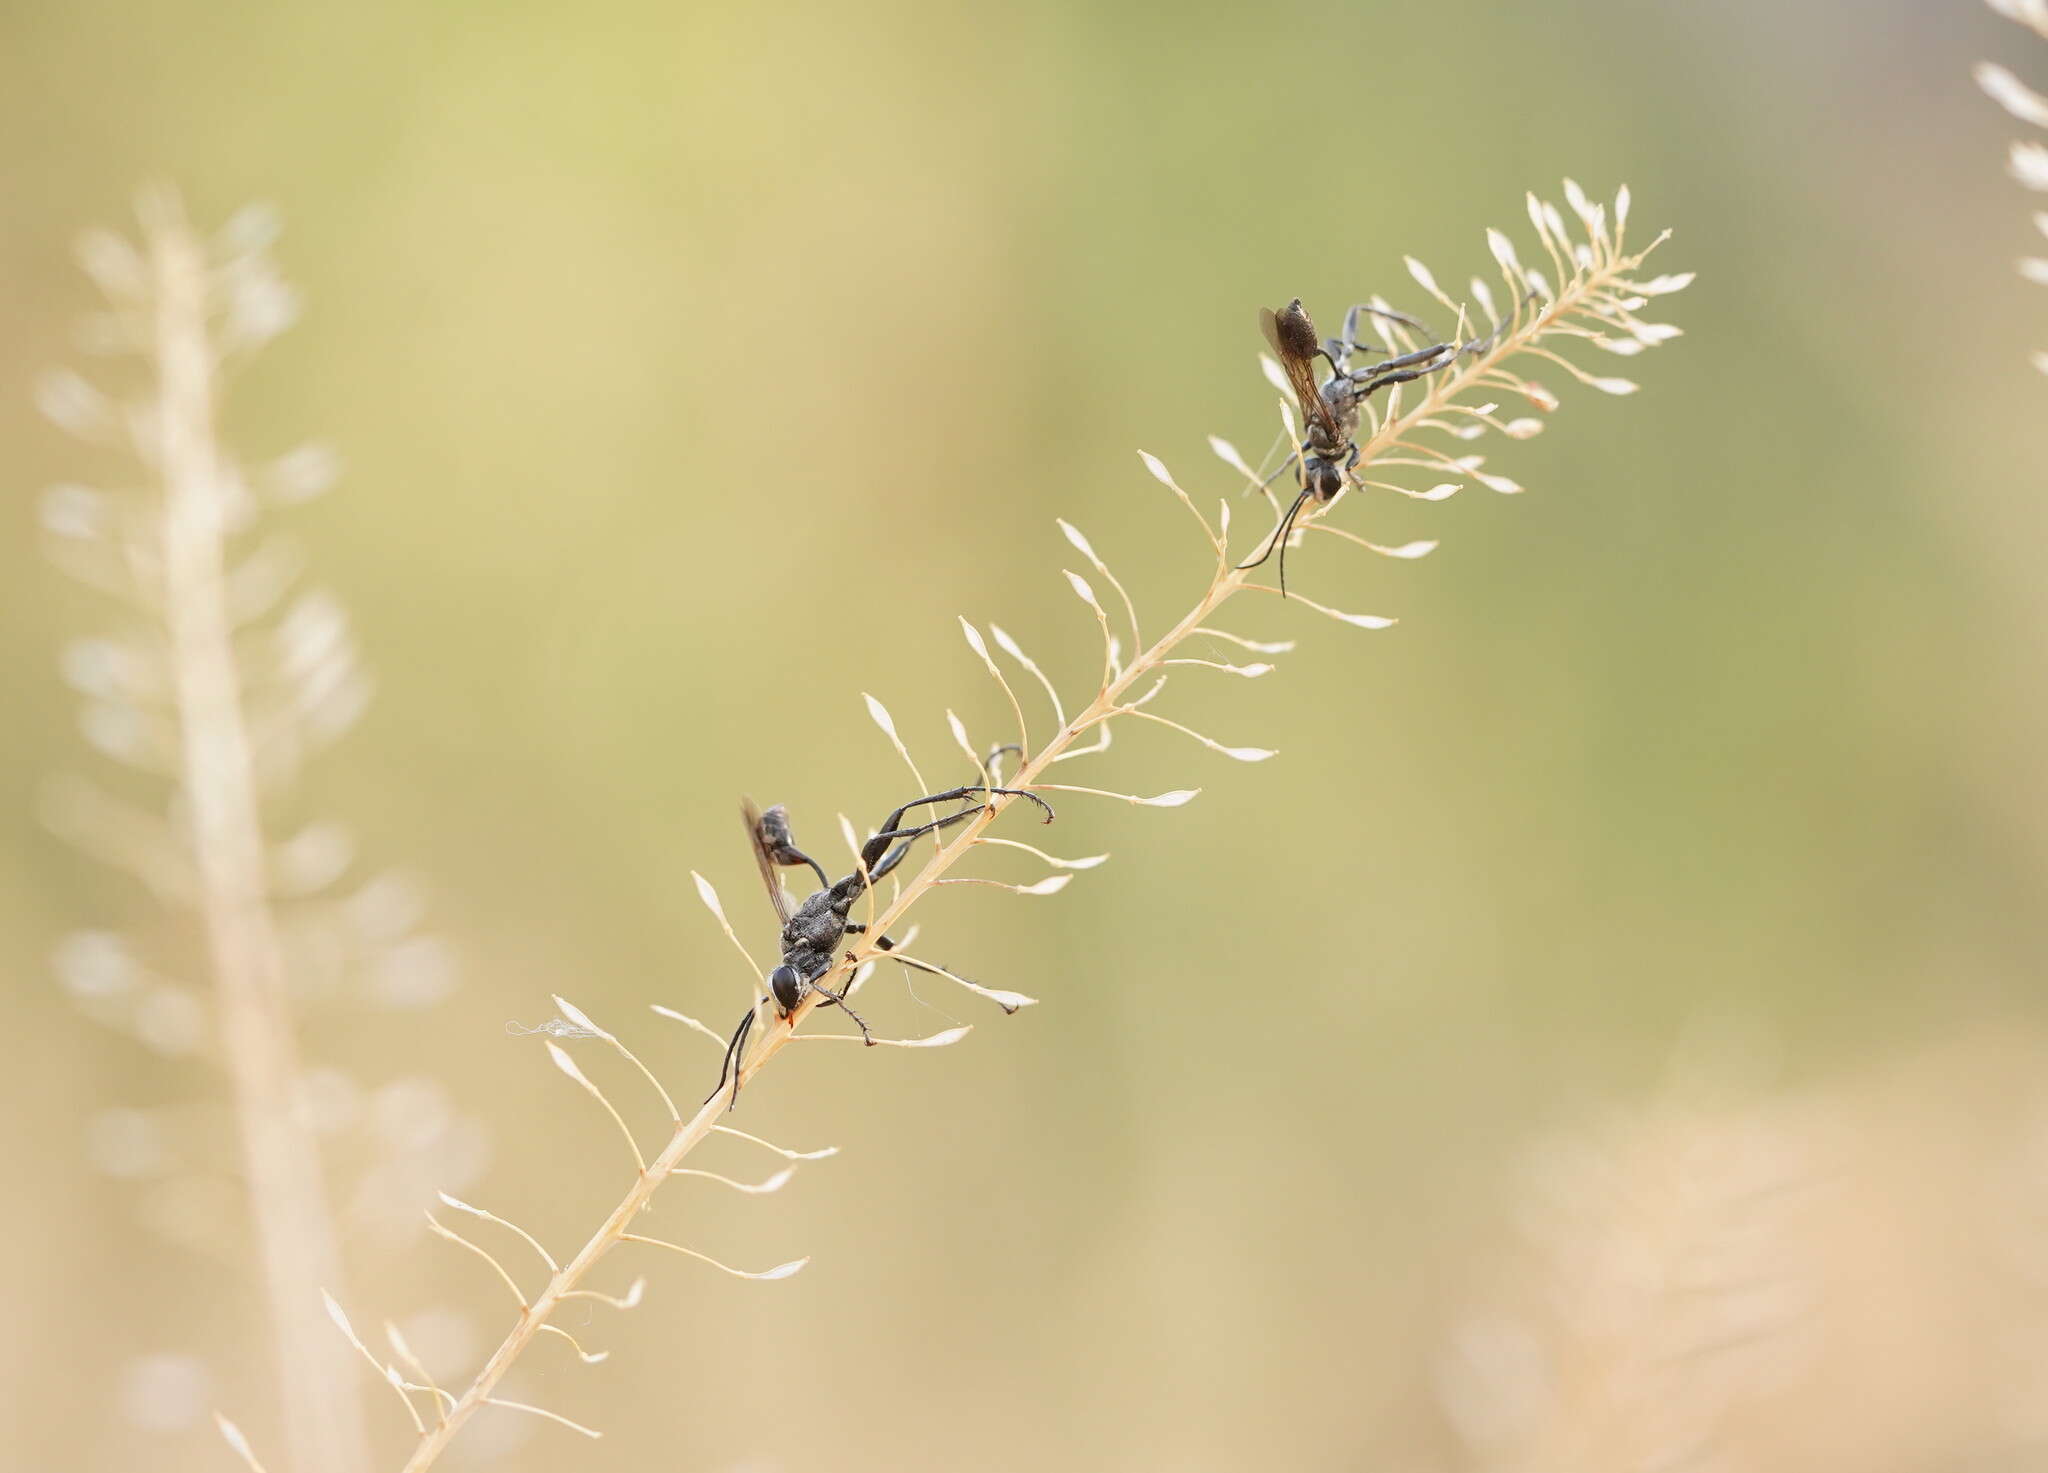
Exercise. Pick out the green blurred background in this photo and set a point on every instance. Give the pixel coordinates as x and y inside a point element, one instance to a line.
<point>694,367</point>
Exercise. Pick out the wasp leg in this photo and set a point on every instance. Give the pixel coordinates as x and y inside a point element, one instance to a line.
<point>871,852</point>
<point>1409,360</point>
<point>988,763</point>
<point>910,836</point>
<point>1380,381</point>
<point>866,1036</point>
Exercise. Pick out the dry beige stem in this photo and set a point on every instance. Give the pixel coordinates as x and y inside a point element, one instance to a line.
<point>221,677</point>
<point>294,1229</point>
<point>1595,301</point>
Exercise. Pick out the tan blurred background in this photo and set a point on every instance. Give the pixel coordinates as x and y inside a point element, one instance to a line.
<point>1614,1022</point>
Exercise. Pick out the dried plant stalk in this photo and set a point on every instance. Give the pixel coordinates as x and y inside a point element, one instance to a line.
<point>1667,1271</point>
<point>2028,158</point>
<point>170,696</point>
<point>1595,302</point>
<point>294,1228</point>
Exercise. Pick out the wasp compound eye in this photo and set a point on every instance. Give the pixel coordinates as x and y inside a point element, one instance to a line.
<point>787,986</point>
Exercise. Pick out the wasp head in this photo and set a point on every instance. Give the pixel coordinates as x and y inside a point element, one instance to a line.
<point>1322,478</point>
<point>788,986</point>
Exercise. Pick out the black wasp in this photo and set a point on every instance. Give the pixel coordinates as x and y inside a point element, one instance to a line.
<point>1326,456</point>
<point>811,933</point>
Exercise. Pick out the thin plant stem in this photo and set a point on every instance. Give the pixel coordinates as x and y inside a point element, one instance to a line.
<point>1586,290</point>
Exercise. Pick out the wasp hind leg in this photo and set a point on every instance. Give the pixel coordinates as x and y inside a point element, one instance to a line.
<point>831,996</point>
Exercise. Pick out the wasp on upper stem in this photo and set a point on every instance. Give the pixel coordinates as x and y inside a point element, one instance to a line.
<point>1330,411</point>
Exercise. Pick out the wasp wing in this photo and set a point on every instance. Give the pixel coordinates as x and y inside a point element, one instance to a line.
<point>755,841</point>
<point>1298,363</point>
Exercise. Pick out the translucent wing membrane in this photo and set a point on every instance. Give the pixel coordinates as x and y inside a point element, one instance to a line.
<point>1292,338</point>
<point>750,815</point>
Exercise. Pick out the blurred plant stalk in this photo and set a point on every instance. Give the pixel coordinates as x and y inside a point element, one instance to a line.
<point>295,1229</point>
<point>196,690</point>
<point>2027,158</point>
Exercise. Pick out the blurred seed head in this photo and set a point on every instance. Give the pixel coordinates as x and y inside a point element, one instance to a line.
<point>127,1143</point>
<point>164,1392</point>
